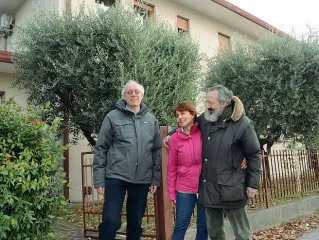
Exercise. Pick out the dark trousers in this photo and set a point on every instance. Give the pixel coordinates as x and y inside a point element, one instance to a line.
<point>185,203</point>
<point>238,219</point>
<point>115,190</point>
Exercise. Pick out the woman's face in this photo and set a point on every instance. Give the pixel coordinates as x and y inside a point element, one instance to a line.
<point>184,118</point>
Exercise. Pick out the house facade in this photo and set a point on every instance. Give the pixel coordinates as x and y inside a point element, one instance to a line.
<point>214,24</point>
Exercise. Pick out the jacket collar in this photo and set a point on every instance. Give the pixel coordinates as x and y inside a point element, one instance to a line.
<point>237,112</point>
<point>183,135</point>
<point>121,106</point>
<point>238,109</point>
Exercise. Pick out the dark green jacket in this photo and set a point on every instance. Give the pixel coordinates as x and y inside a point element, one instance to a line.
<point>128,147</point>
<point>223,183</point>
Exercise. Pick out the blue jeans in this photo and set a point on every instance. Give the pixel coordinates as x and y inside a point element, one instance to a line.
<point>185,203</point>
<point>115,190</point>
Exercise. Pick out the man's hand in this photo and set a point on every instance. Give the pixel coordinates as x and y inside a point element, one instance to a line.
<point>153,189</point>
<point>244,164</point>
<point>251,192</point>
<point>100,190</point>
<point>173,202</point>
<point>165,140</point>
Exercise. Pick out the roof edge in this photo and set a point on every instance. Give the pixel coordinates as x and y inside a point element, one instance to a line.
<point>249,16</point>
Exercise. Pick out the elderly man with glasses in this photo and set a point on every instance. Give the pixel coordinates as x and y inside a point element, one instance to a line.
<point>127,157</point>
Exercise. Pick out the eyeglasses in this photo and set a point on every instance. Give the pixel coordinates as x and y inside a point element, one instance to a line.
<point>209,102</point>
<point>136,91</point>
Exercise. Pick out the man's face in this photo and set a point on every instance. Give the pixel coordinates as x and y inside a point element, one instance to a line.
<point>133,95</point>
<point>212,102</point>
<point>213,106</point>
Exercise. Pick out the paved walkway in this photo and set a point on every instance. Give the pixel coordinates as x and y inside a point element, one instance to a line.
<point>314,235</point>
<point>67,231</point>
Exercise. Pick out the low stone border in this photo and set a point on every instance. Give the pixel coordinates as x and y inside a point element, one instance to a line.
<point>273,216</point>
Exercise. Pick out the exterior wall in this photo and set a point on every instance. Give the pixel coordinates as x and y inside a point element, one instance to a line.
<point>203,29</point>
<point>6,80</point>
<point>27,9</point>
<point>75,171</point>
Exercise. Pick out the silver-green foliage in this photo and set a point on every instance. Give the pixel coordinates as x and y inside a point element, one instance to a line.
<point>80,61</point>
<point>278,81</point>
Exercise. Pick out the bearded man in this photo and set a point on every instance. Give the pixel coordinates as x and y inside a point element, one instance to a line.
<point>228,137</point>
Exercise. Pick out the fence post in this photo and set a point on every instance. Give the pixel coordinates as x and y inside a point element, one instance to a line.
<point>297,171</point>
<point>163,207</point>
<point>265,175</point>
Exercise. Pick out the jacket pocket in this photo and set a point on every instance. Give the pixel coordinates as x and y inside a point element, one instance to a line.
<point>124,129</point>
<point>232,187</point>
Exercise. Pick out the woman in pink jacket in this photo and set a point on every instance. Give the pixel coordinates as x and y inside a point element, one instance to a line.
<point>183,171</point>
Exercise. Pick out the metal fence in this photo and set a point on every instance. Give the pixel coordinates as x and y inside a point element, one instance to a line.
<point>93,205</point>
<point>286,175</point>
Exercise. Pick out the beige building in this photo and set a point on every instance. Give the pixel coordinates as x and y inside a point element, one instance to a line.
<point>213,24</point>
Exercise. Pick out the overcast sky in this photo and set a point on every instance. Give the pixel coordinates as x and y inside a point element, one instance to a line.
<point>287,15</point>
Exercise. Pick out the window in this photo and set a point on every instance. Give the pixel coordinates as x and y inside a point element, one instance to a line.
<point>107,3</point>
<point>182,24</point>
<point>224,42</point>
<point>145,11</point>
<point>2,96</point>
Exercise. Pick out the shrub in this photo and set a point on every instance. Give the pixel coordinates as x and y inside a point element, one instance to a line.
<point>79,62</point>
<point>30,159</point>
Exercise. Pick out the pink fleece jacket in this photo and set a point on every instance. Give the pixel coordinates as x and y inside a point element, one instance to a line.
<point>184,162</point>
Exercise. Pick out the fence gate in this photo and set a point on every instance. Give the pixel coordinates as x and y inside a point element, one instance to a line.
<point>93,205</point>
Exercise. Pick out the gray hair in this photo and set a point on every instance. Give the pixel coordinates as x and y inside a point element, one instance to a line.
<point>224,94</point>
<point>129,82</point>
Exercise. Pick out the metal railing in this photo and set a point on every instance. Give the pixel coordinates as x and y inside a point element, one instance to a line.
<point>286,175</point>
<point>93,205</point>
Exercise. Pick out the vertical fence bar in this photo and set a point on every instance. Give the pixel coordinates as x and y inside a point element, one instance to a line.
<point>282,186</point>
<point>289,166</point>
<point>275,184</point>
<point>272,175</point>
<point>303,185</point>
<point>306,157</point>
<point>261,186</point>
<point>269,172</point>
<point>317,170</point>
<point>312,168</point>
<point>278,174</point>
<point>309,160</point>
<point>286,186</point>
<point>265,178</point>
<point>83,196</point>
<point>294,171</point>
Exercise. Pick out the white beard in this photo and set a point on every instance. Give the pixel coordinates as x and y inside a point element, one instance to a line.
<point>213,116</point>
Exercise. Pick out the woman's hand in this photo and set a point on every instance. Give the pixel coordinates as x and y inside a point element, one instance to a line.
<point>165,140</point>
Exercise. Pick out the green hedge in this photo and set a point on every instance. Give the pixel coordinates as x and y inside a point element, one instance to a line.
<point>30,174</point>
